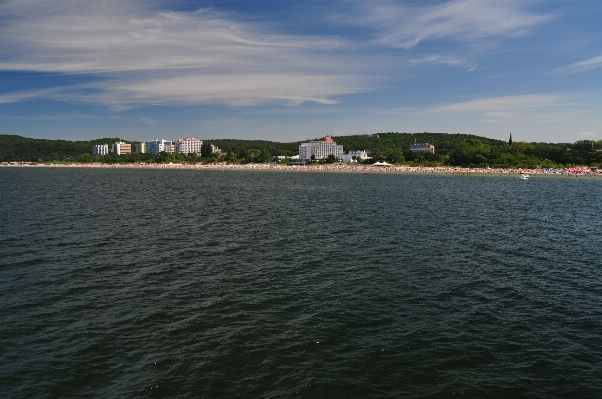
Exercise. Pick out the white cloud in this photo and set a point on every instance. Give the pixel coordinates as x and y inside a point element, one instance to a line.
<point>142,55</point>
<point>531,102</point>
<point>6,98</point>
<point>587,133</point>
<point>581,66</point>
<point>501,115</point>
<point>59,117</point>
<point>235,89</point>
<point>197,88</point>
<point>524,110</point>
<point>149,121</point>
<point>445,60</point>
<point>463,20</point>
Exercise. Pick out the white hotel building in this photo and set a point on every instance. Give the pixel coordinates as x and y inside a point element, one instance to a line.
<point>358,155</point>
<point>320,149</point>
<point>158,146</point>
<point>189,145</point>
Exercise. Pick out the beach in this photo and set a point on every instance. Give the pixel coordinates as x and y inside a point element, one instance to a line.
<point>350,168</point>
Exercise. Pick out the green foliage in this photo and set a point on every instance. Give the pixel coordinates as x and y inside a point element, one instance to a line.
<point>206,149</point>
<point>238,146</point>
<point>450,149</point>
<point>331,159</point>
<point>383,142</point>
<point>470,152</point>
<point>17,148</point>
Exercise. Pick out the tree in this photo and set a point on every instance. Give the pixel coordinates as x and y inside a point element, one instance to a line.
<point>395,155</point>
<point>265,156</point>
<point>470,152</point>
<point>331,159</point>
<point>206,149</point>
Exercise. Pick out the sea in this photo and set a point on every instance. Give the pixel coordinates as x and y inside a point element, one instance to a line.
<point>167,283</point>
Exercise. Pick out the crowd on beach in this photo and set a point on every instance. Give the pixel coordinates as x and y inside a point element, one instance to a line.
<point>338,167</point>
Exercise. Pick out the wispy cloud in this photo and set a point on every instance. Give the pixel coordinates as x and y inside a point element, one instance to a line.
<point>247,89</point>
<point>143,55</point>
<point>445,60</point>
<point>13,97</point>
<point>532,109</point>
<point>578,67</point>
<point>531,102</point>
<point>56,117</point>
<point>587,133</point>
<point>149,121</point>
<point>190,89</point>
<point>462,20</point>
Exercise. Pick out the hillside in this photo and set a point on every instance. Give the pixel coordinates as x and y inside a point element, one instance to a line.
<point>385,141</point>
<point>451,149</point>
<point>17,148</point>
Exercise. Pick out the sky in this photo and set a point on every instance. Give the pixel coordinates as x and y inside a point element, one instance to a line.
<point>296,70</point>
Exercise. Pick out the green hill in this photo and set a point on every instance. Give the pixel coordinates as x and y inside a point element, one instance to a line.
<point>451,149</point>
<point>385,141</point>
<point>17,148</point>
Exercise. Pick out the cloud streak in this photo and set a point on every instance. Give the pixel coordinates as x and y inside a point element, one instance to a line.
<point>147,56</point>
<point>531,109</point>
<point>138,53</point>
<point>578,67</point>
<point>461,20</point>
<point>444,60</point>
<point>531,102</point>
<point>190,89</point>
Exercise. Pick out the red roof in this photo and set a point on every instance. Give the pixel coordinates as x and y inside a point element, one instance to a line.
<point>327,138</point>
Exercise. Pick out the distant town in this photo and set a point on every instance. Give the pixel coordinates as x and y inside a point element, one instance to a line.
<point>314,150</point>
<point>389,148</point>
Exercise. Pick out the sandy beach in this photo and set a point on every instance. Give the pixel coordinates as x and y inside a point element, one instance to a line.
<point>349,168</point>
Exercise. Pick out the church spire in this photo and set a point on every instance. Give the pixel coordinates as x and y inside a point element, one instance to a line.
<point>510,141</point>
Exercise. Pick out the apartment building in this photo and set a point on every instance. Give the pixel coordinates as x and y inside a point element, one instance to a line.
<point>158,146</point>
<point>122,148</point>
<point>189,145</point>
<point>319,149</point>
<point>100,149</point>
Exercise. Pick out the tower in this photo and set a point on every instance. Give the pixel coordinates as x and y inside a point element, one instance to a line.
<point>510,141</point>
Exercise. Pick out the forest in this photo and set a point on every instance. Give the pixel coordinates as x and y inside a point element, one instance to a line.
<point>450,149</point>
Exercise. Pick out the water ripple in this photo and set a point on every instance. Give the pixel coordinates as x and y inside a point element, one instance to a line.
<point>180,283</point>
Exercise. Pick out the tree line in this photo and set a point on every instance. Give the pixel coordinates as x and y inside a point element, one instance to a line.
<point>450,150</point>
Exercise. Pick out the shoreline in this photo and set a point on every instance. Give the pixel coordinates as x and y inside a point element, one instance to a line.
<point>575,171</point>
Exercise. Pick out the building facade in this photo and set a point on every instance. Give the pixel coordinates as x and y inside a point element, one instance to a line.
<point>189,145</point>
<point>421,147</point>
<point>158,146</point>
<point>122,148</point>
<point>320,149</point>
<point>353,156</point>
<point>141,148</point>
<point>100,149</point>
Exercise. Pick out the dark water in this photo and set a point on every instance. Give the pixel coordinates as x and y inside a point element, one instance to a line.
<point>185,284</point>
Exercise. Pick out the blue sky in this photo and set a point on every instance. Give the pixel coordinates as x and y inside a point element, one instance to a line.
<point>295,70</point>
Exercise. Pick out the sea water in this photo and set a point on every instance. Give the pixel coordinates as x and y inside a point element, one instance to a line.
<point>257,284</point>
